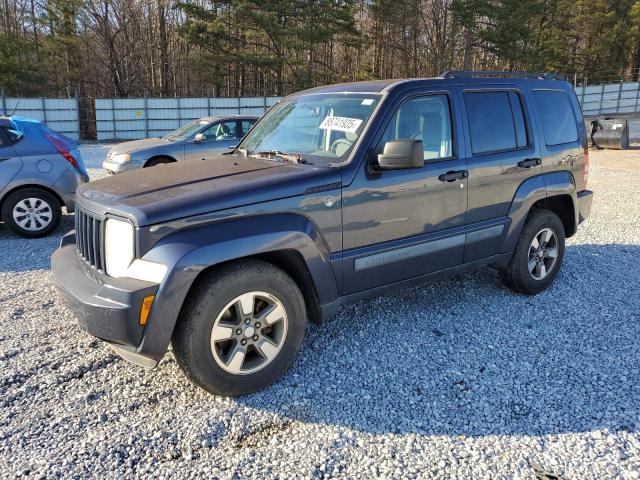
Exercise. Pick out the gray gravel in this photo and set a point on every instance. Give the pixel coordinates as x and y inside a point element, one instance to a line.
<point>459,378</point>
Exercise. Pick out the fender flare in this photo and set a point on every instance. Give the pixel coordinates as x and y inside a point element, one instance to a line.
<point>187,253</point>
<point>531,191</point>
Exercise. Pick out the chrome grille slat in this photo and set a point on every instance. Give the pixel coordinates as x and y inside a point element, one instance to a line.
<point>89,238</point>
<point>91,241</point>
<point>96,243</point>
<point>85,237</point>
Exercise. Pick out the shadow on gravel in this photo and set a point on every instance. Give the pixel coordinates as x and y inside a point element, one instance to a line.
<point>19,254</point>
<point>468,357</point>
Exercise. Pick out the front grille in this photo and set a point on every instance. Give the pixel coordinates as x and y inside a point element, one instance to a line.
<point>90,238</point>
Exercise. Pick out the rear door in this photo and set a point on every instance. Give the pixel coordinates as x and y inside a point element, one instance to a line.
<point>219,136</point>
<point>10,161</point>
<point>503,153</point>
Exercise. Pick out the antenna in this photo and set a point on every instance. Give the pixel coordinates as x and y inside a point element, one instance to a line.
<point>15,107</point>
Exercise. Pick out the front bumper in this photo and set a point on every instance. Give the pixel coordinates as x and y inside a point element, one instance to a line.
<point>113,168</point>
<point>585,199</point>
<point>107,308</point>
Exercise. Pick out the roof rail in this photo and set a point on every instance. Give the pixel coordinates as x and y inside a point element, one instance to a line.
<point>499,74</point>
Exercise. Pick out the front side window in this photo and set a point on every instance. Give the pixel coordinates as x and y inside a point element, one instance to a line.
<point>315,128</point>
<point>423,118</point>
<point>556,114</point>
<point>186,131</point>
<point>220,131</point>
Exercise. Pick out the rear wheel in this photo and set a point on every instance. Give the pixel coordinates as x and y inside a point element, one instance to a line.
<point>31,212</point>
<point>538,255</point>
<point>240,329</point>
<point>158,161</point>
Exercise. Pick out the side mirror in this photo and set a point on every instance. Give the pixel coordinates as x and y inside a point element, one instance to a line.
<point>400,154</point>
<point>199,137</point>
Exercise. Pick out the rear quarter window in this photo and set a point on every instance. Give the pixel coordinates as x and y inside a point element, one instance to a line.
<point>556,115</point>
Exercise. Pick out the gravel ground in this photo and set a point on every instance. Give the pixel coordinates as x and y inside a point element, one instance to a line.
<point>459,378</point>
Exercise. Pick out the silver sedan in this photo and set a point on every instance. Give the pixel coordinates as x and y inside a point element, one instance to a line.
<point>193,141</point>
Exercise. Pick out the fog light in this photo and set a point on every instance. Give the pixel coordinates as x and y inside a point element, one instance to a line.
<point>146,308</point>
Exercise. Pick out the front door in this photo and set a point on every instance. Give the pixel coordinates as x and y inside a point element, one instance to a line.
<point>400,224</point>
<point>218,137</point>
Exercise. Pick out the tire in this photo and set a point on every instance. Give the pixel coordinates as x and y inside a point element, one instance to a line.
<point>518,275</point>
<point>42,212</point>
<point>210,363</point>
<point>158,161</point>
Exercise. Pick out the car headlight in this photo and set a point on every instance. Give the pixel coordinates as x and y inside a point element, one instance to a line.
<point>118,246</point>
<point>121,158</point>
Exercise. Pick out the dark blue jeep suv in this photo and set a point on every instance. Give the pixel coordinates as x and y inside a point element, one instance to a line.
<point>338,193</point>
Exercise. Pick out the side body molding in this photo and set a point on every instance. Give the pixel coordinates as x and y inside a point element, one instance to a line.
<point>188,252</point>
<point>530,191</point>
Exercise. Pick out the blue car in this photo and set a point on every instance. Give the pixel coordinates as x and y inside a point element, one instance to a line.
<point>39,172</point>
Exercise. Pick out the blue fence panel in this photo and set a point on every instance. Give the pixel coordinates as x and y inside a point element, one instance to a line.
<point>133,118</point>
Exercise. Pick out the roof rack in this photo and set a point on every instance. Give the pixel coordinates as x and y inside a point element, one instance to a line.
<point>499,74</point>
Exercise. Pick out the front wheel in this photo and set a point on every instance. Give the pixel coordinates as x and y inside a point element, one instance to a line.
<point>240,329</point>
<point>538,255</point>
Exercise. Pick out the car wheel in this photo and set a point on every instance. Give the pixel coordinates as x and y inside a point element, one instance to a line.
<point>538,254</point>
<point>240,328</point>
<point>158,161</point>
<point>31,212</point>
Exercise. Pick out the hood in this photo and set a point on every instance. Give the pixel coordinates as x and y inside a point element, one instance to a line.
<point>184,189</point>
<point>128,147</point>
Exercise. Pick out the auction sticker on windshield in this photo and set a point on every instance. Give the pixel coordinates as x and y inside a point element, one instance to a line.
<point>341,124</point>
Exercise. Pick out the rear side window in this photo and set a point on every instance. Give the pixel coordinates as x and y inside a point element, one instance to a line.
<point>496,121</point>
<point>556,115</point>
<point>246,125</point>
<point>13,136</point>
<point>518,120</point>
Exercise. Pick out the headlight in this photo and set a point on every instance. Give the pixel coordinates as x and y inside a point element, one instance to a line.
<point>118,246</point>
<point>121,158</point>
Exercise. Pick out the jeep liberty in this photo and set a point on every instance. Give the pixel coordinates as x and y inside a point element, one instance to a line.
<point>336,194</point>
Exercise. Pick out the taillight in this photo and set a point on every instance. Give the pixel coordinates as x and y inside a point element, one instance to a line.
<point>585,175</point>
<point>60,146</point>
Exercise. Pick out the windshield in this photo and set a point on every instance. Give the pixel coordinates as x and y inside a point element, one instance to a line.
<point>320,128</point>
<point>186,131</point>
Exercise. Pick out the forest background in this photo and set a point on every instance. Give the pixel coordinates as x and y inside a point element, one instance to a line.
<point>228,48</point>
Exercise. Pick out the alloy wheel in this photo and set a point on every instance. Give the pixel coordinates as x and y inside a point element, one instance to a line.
<point>543,254</point>
<point>249,332</point>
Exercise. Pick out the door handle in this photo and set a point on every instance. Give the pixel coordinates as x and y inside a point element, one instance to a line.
<point>453,175</point>
<point>2,159</point>
<point>530,162</point>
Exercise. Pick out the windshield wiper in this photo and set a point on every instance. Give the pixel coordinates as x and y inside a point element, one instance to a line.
<point>287,157</point>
